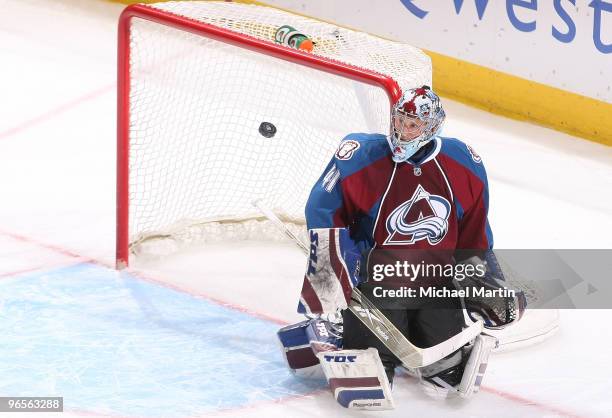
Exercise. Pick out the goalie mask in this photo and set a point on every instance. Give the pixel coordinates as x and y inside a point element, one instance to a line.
<point>415,120</point>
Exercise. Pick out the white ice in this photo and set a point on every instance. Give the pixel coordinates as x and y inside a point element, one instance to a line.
<point>57,207</point>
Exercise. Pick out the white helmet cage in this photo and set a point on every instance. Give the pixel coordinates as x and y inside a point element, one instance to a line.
<point>419,103</point>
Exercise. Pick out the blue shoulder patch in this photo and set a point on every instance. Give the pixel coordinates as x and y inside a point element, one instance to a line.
<point>358,150</point>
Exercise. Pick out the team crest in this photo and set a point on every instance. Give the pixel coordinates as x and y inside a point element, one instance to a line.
<point>423,217</point>
<point>475,156</point>
<point>346,149</point>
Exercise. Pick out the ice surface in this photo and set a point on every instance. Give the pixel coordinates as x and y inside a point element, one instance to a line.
<point>127,346</point>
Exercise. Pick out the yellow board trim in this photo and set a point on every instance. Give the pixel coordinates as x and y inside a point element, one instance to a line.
<point>508,95</point>
<point>521,99</point>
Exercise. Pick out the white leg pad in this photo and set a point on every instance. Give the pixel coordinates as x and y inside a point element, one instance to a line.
<point>476,365</point>
<point>357,379</point>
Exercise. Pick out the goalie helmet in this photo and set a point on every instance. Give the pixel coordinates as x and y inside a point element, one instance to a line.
<point>415,120</point>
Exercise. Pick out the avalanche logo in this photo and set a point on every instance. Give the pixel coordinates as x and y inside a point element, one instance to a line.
<point>347,149</point>
<point>424,216</point>
<point>475,156</point>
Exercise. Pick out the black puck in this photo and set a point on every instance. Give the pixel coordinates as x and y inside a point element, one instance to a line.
<point>267,129</point>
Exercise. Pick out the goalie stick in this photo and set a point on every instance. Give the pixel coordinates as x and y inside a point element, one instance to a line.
<point>258,203</point>
<point>410,355</point>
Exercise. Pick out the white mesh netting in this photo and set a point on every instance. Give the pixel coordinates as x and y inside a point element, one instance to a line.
<point>196,105</point>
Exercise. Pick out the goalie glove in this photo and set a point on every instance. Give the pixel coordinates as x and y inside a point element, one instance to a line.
<point>489,297</point>
<point>302,341</point>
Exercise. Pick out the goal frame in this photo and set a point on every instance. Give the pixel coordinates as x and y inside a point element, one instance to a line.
<point>140,11</point>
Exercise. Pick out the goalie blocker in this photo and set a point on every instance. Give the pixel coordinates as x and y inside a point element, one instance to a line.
<point>302,341</point>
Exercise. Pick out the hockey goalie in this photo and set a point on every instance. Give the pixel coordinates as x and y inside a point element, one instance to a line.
<point>384,210</point>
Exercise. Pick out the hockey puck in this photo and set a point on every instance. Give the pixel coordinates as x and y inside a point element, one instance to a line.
<point>267,129</point>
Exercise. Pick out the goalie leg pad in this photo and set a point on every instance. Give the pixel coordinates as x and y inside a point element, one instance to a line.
<point>297,351</point>
<point>476,365</point>
<point>440,379</point>
<point>460,373</point>
<point>357,379</point>
<point>332,271</point>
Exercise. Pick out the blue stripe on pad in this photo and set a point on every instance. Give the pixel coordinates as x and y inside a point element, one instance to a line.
<point>346,396</point>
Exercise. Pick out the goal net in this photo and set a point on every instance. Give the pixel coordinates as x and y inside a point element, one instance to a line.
<point>199,83</point>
